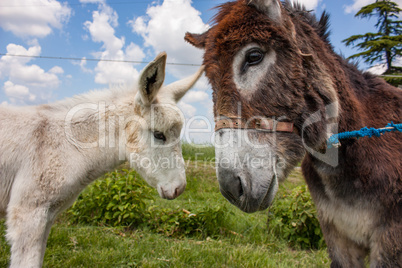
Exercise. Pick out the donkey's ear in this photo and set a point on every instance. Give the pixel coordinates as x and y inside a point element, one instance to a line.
<point>178,89</point>
<point>272,8</point>
<point>197,40</point>
<point>151,79</point>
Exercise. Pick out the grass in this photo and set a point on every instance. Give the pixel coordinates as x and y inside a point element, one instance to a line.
<point>198,152</point>
<point>246,242</point>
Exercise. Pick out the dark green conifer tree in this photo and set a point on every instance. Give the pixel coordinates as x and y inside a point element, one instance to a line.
<point>386,44</point>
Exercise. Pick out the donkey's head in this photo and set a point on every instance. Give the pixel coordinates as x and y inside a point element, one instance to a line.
<point>262,62</point>
<point>153,133</point>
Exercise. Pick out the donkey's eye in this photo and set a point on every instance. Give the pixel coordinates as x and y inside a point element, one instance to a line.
<point>253,57</point>
<point>159,136</point>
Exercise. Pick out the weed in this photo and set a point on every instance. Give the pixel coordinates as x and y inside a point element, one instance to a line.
<point>293,217</point>
<point>119,198</point>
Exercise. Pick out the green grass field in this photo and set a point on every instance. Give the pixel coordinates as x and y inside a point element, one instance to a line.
<point>245,241</point>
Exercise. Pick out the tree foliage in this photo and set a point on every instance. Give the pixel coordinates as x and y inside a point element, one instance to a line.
<point>386,44</point>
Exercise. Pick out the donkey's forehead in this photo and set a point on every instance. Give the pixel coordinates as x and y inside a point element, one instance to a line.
<point>166,116</point>
<point>239,24</point>
<point>236,26</point>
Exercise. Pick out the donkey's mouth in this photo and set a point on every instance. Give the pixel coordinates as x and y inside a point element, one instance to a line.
<point>269,197</point>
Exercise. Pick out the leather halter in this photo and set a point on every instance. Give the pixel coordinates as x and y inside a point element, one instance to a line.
<point>261,124</point>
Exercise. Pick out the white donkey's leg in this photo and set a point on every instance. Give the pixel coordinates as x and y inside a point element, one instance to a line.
<point>27,233</point>
<point>29,219</point>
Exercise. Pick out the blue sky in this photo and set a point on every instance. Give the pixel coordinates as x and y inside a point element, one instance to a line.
<point>128,30</point>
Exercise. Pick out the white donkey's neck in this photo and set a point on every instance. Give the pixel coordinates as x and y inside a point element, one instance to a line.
<point>93,124</point>
<point>108,96</point>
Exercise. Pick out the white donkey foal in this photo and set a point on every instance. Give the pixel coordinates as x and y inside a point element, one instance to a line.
<point>50,153</point>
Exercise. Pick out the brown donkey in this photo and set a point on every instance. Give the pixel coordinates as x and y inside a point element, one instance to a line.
<point>279,91</point>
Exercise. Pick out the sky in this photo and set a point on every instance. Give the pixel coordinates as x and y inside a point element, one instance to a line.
<point>65,39</point>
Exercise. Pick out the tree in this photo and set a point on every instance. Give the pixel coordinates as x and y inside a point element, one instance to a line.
<point>386,44</point>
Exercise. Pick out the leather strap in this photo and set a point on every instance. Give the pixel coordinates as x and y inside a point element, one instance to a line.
<point>261,124</point>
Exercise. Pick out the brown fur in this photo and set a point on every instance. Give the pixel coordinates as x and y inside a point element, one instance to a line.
<point>308,76</point>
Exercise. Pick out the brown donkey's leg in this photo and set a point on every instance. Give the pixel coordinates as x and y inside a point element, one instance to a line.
<point>386,246</point>
<point>343,251</point>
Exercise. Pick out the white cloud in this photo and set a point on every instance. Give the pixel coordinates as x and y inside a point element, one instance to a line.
<point>188,110</point>
<point>378,69</point>
<point>358,4</point>
<point>202,83</point>
<point>134,52</point>
<point>309,4</point>
<point>163,29</point>
<point>91,1</point>
<point>27,83</point>
<point>33,75</point>
<point>82,63</point>
<point>115,73</point>
<point>20,50</point>
<point>398,62</point>
<point>33,19</point>
<point>195,96</point>
<point>18,93</point>
<point>101,29</point>
<point>56,70</point>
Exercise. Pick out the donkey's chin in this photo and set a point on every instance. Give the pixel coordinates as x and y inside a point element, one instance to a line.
<point>250,206</point>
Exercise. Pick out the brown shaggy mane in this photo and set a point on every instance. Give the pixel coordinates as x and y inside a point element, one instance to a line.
<point>295,9</point>
<point>321,26</point>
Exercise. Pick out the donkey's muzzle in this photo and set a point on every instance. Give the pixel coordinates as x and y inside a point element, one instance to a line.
<point>234,187</point>
<point>237,188</point>
<point>171,191</point>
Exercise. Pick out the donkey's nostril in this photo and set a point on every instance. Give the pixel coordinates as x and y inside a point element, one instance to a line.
<point>231,185</point>
<point>240,187</point>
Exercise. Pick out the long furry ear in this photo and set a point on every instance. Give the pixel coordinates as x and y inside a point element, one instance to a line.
<point>151,79</point>
<point>178,89</point>
<point>272,8</point>
<point>197,40</point>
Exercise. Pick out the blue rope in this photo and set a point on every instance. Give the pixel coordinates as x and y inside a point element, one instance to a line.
<point>364,132</point>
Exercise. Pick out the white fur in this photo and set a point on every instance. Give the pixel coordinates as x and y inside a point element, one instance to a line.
<point>49,153</point>
<point>247,83</point>
<point>354,221</point>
